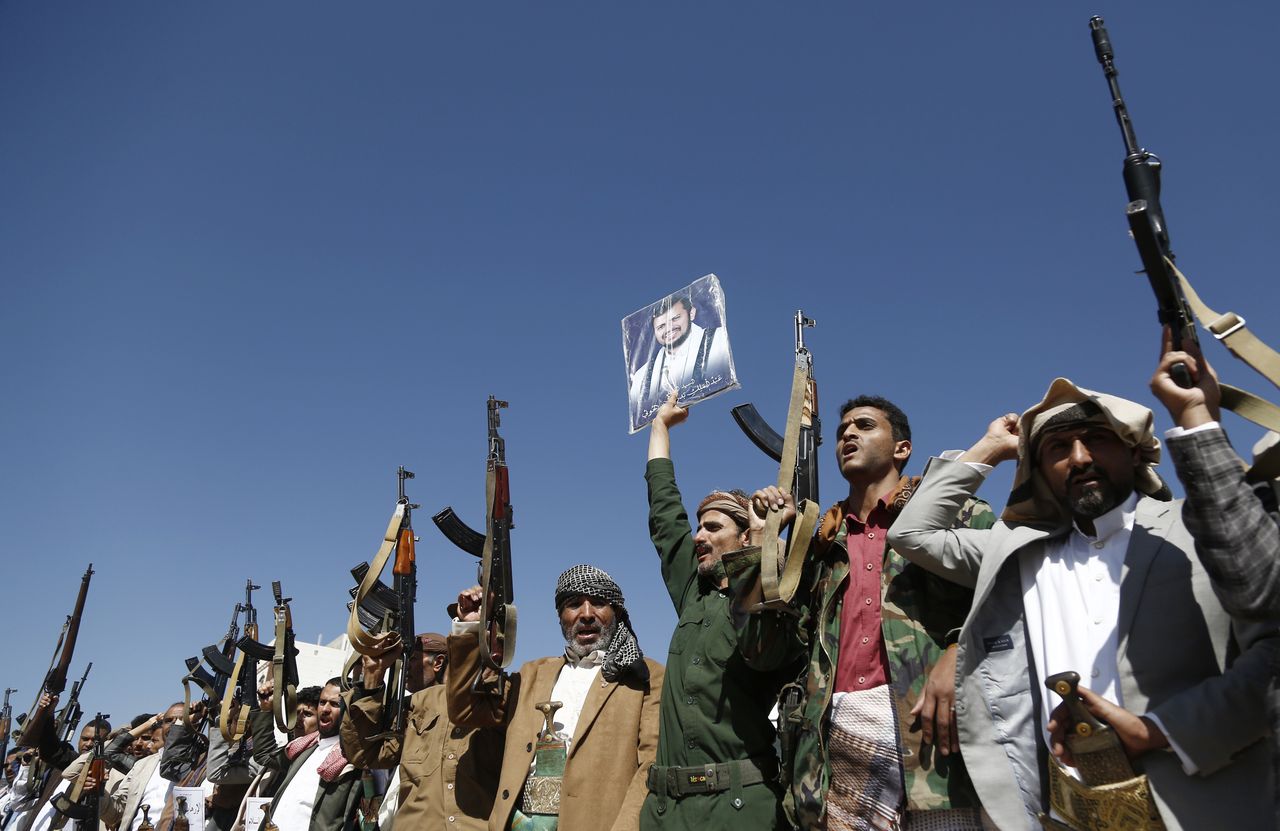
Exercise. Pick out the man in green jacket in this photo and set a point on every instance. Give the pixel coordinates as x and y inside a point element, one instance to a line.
<point>716,766</point>
<point>871,727</point>
<point>312,786</point>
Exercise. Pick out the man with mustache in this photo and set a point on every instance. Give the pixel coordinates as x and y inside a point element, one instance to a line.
<point>607,717</point>
<point>716,766</point>
<point>312,786</point>
<point>1091,570</point>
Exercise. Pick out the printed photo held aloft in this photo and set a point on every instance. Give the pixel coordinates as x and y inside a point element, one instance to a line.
<point>679,343</point>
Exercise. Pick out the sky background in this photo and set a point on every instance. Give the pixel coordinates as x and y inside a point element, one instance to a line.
<point>255,256</point>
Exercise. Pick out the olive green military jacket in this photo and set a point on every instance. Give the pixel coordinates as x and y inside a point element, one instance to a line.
<point>920,614</point>
<point>715,708</point>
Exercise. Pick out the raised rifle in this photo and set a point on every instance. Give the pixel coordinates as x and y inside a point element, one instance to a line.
<point>79,802</point>
<point>212,681</point>
<point>242,684</point>
<point>1146,218</point>
<point>64,726</point>
<point>6,725</point>
<point>497,607</point>
<point>796,452</point>
<point>377,608</point>
<point>283,657</point>
<point>809,435</point>
<point>55,681</point>
<point>1178,306</point>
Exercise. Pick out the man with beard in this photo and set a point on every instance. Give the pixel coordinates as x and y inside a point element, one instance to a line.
<point>1091,570</point>
<point>59,760</point>
<point>445,776</point>
<point>145,784</point>
<point>606,724</point>
<point>312,785</point>
<point>716,765</point>
<point>685,353</point>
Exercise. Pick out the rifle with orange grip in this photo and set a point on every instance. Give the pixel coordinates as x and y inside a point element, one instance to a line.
<point>497,606</point>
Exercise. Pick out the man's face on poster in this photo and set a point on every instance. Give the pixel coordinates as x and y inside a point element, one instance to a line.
<point>671,327</point>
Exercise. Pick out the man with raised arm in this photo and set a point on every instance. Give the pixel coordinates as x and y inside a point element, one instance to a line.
<point>1090,570</point>
<point>716,766</point>
<point>312,787</point>
<point>872,731</point>
<point>446,776</point>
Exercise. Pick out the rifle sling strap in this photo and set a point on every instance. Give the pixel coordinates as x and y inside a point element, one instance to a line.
<point>777,588</point>
<point>364,642</point>
<point>1230,329</point>
<point>285,700</point>
<point>234,733</point>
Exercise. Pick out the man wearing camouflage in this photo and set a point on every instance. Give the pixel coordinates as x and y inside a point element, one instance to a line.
<point>871,727</point>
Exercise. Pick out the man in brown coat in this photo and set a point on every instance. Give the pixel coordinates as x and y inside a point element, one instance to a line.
<point>447,775</point>
<point>607,721</point>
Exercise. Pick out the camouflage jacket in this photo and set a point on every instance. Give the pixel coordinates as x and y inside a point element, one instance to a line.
<point>919,610</point>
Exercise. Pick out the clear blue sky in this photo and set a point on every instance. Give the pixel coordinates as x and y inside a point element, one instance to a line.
<point>254,256</point>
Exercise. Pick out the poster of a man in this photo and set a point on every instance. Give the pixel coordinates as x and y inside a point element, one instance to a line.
<point>680,343</point>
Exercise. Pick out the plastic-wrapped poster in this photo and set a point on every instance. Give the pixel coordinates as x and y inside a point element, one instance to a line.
<point>679,343</point>
<point>193,800</point>
<point>253,807</point>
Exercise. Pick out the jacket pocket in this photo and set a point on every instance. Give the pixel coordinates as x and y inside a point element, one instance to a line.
<point>423,744</point>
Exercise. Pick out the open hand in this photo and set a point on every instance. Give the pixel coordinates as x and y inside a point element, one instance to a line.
<point>936,708</point>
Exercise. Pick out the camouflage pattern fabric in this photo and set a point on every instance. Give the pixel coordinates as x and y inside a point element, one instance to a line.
<point>919,611</point>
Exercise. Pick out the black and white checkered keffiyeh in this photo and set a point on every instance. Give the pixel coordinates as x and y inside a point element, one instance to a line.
<point>623,654</point>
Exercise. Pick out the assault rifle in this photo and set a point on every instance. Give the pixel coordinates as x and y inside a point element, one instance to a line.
<point>1146,218</point>
<point>80,803</point>
<point>497,609</point>
<point>283,657</point>
<point>805,483</point>
<point>6,725</point>
<point>377,608</point>
<point>796,452</point>
<point>1178,306</point>
<point>242,684</point>
<point>64,726</point>
<point>55,681</point>
<point>212,681</point>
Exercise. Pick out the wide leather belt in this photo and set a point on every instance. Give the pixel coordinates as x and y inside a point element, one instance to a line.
<point>703,779</point>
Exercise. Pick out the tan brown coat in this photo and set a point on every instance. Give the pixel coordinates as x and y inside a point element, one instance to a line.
<point>448,774</point>
<point>613,746</point>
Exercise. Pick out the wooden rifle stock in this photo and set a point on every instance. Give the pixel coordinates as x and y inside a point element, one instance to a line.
<point>56,680</point>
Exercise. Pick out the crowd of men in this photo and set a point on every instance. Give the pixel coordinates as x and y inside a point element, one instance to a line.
<point>902,687</point>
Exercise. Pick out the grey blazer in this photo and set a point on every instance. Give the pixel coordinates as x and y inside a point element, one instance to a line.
<point>1175,651</point>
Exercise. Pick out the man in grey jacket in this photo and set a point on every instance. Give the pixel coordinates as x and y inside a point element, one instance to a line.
<point>1091,569</point>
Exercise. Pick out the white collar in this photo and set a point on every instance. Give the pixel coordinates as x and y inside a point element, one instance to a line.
<point>1118,518</point>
